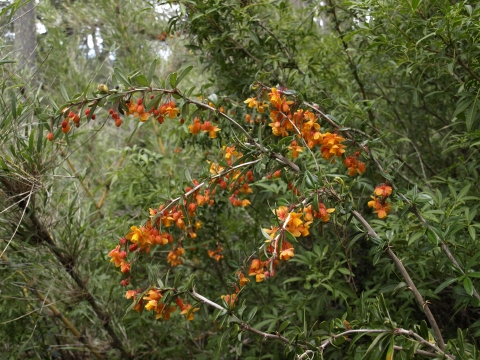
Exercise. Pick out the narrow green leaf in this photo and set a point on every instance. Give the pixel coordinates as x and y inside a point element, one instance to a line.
<point>183,73</point>
<point>151,71</point>
<point>444,284</point>
<point>471,113</point>
<point>121,76</point>
<point>251,314</point>
<point>64,92</point>
<point>468,285</point>
<point>283,326</point>
<point>390,350</point>
<point>173,79</point>
<point>142,80</point>
<point>14,106</point>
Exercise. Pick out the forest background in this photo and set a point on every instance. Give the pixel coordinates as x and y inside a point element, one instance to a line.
<point>272,179</point>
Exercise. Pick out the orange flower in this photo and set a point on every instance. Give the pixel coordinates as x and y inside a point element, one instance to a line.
<point>383,190</point>
<point>117,256</point>
<point>252,102</point>
<point>186,309</point>
<point>354,166</point>
<point>323,213</point>
<point>382,207</point>
<point>135,235</point>
<point>272,232</point>
<point>163,311</point>
<point>257,270</point>
<point>174,256</point>
<point>216,254</point>
<point>295,149</point>
<point>171,110</point>
<point>242,279</point>
<point>282,213</point>
<point>207,126</point>
<point>230,151</point>
<point>125,267</point>
<point>131,293</point>
<point>332,146</point>
<point>287,251</point>
<point>195,127</point>
<point>230,299</point>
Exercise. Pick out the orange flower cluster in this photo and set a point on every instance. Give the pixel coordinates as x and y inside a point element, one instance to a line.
<point>323,213</point>
<point>151,301</point>
<point>185,309</point>
<point>295,225</point>
<point>238,181</point>
<point>295,222</point>
<point>162,310</point>
<point>230,300</point>
<point>258,269</point>
<point>216,254</point>
<point>354,166</point>
<point>379,201</point>
<point>331,146</point>
<point>137,109</point>
<point>286,121</point>
<point>118,258</point>
<point>174,256</point>
<point>207,126</point>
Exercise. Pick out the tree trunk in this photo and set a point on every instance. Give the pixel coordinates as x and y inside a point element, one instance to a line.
<point>25,32</point>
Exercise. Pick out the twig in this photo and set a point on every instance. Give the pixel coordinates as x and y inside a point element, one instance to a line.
<point>58,314</point>
<point>398,263</point>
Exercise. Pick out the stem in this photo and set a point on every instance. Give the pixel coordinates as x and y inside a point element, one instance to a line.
<point>398,263</point>
<point>58,314</point>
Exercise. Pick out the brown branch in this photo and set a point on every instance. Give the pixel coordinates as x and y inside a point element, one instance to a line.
<point>350,60</point>
<point>398,263</point>
<point>42,236</point>
<point>58,313</point>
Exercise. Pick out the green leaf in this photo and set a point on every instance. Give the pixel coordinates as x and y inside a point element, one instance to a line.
<point>390,350</point>
<point>283,326</point>
<point>468,285</point>
<point>183,73</point>
<point>375,342</point>
<point>432,237</point>
<point>14,106</point>
<point>142,80</point>
<point>251,314</point>
<point>444,284</point>
<point>153,103</point>
<point>121,77</point>
<point>471,113</point>
<point>290,236</point>
<point>415,4</point>
<point>173,79</point>
<point>64,92</point>
<point>151,71</point>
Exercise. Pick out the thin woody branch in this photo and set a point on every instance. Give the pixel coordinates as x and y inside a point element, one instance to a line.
<point>398,263</point>
<point>57,313</point>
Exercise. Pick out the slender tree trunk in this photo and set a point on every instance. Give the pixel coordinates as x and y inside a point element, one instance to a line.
<point>25,32</point>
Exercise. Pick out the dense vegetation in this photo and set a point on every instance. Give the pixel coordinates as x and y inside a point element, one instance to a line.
<point>240,179</point>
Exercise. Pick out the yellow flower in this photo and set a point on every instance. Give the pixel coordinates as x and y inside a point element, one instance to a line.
<point>135,235</point>
<point>251,102</point>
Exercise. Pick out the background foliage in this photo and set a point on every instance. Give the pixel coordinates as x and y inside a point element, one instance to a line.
<point>401,81</point>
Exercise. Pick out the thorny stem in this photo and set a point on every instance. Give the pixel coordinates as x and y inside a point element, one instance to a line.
<point>195,188</point>
<point>398,263</point>
<point>43,236</point>
<point>276,336</point>
<point>57,313</point>
<point>412,208</point>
